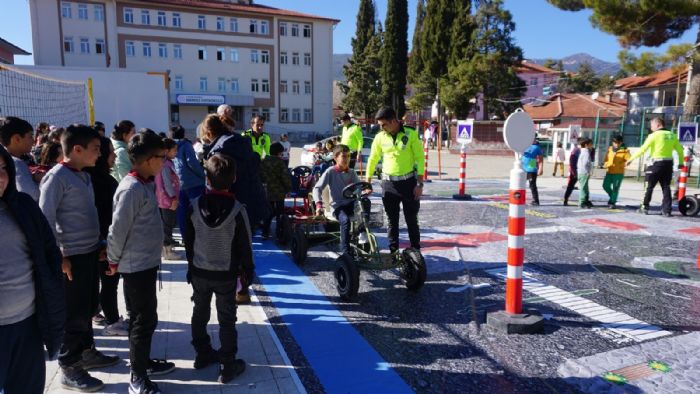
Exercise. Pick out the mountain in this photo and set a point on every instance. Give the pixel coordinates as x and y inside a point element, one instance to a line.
<point>573,62</point>
<point>339,60</point>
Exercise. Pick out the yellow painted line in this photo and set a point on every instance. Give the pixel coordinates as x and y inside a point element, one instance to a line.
<point>527,211</point>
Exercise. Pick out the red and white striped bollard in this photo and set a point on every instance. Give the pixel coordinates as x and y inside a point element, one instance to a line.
<point>425,154</point>
<point>516,235</point>
<point>683,178</point>
<point>462,175</point>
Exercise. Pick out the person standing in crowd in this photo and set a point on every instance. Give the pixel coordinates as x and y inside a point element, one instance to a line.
<point>68,202</point>
<point>167,190</point>
<point>284,140</point>
<point>219,251</point>
<point>615,159</point>
<point>134,244</point>
<point>259,139</point>
<point>584,168</point>
<point>403,167</point>
<point>32,313</point>
<point>573,175</point>
<point>275,175</point>
<point>225,113</point>
<point>352,138</point>
<point>189,171</point>
<point>100,128</point>
<point>121,135</point>
<point>17,137</point>
<point>559,157</point>
<point>661,143</point>
<point>533,166</point>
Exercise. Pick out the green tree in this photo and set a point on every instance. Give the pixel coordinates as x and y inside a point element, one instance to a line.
<point>394,55</point>
<point>365,29</point>
<point>435,39</point>
<point>676,58</point>
<point>550,63</point>
<point>584,81</point>
<point>646,63</point>
<point>419,81</point>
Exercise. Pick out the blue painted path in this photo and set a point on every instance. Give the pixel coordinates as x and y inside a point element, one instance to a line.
<point>341,358</point>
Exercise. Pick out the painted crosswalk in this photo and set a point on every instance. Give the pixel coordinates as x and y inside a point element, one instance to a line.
<point>616,321</point>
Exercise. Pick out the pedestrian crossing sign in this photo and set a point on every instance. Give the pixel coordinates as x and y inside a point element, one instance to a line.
<point>688,133</point>
<point>464,131</point>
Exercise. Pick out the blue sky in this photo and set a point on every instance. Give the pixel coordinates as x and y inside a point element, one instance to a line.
<point>541,30</point>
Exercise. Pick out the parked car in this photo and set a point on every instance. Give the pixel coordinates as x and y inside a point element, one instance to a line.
<point>307,156</point>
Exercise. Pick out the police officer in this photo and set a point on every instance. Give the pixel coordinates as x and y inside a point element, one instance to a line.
<point>352,138</point>
<point>662,143</point>
<point>403,166</point>
<point>258,138</point>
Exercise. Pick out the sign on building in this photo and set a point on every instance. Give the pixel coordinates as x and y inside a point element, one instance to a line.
<point>574,133</point>
<point>465,131</point>
<point>688,133</point>
<point>200,99</point>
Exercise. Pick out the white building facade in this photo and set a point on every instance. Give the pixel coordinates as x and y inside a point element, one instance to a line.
<point>258,59</point>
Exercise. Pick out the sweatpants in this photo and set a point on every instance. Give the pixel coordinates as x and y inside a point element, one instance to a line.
<point>169,218</point>
<point>583,197</point>
<point>225,291</point>
<point>611,185</point>
<point>570,186</point>
<point>22,367</point>
<point>532,180</point>
<point>140,293</point>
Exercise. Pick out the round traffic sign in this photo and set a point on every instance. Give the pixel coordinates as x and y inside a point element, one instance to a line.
<point>519,131</point>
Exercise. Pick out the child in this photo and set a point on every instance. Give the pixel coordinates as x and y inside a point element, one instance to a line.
<point>284,140</point>
<point>121,135</point>
<point>336,178</point>
<point>559,156</point>
<point>16,135</point>
<point>50,154</point>
<point>133,246</point>
<point>584,168</point>
<point>573,175</point>
<point>219,249</point>
<point>615,160</point>
<point>68,202</point>
<point>167,191</point>
<point>533,167</point>
<point>275,175</point>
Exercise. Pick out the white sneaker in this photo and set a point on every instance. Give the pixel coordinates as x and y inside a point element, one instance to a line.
<point>115,329</point>
<point>168,253</point>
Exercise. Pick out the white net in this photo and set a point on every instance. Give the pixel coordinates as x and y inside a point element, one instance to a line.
<point>36,98</point>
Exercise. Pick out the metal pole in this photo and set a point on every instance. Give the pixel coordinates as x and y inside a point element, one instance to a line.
<point>641,142</point>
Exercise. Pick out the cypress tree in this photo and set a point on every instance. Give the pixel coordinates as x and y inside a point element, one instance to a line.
<point>435,37</point>
<point>394,55</point>
<point>421,84</point>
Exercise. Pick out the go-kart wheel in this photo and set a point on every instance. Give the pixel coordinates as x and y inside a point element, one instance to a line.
<point>300,245</point>
<point>284,230</point>
<point>302,171</point>
<point>347,278</point>
<point>350,190</point>
<point>688,206</point>
<point>414,270</point>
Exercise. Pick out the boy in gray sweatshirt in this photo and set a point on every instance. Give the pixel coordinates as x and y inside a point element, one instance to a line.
<point>16,137</point>
<point>133,249</point>
<point>584,166</point>
<point>67,200</point>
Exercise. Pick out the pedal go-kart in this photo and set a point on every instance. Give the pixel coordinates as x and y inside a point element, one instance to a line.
<point>689,205</point>
<point>365,250</point>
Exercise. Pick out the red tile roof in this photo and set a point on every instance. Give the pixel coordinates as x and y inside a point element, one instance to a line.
<point>663,77</point>
<point>530,67</point>
<point>12,48</point>
<point>574,105</point>
<point>252,8</point>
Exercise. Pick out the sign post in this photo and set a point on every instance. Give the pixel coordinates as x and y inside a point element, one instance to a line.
<point>465,130</point>
<point>518,133</point>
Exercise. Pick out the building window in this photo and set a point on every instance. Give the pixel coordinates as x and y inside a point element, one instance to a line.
<point>162,21</point>
<point>128,15</point>
<point>307,59</point>
<point>283,28</point>
<point>265,57</point>
<point>284,115</point>
<point>177,51</point>
<point>283,86</point>
<point>66,10</point>
<point>234,85</point>
<point>254,112</point>
<point>99,46</point>
<point>84,46</point>
<point>295,30</point>
<point>147,49</point>
<point>178,83</point>
<point>201,22</point>
<point>82,11</point>
<point>145,17</point>
<point>263,27</point>
<point>221,85</point>
<point>296,118</point>
<point>254,87</point>
<point>265,86</point>
<point>266,114</point>
<point>177,22</point>
<point>202,53</point>
<point>99,12</point>
<point>295,87</point>
<point>283,57</point>
<point>253,26</point>
<point>307,31</point>
<point>68,44</point>
<point>203,84</point>
<point>307,115</point>
<point>254,57</point>
<point>220,54</point>
<point>162,50</point>
<point>234,55</point>
<point>219,23</point>
<point>533,81</point>
<point>295,58</point>
<point>307,87</point>
<point>130,49</point>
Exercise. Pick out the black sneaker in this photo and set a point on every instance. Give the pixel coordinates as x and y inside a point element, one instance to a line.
<point>98,319</point>
<point>142,385</point>
<point>77,379</point>
<point>228,371</point>
<point>93,358</point>
<point>159,367</point>
<point>612,206</point>
<point>666,214</point>
<point>643,210</point>
<point>206,358</point>
<point>566,203</point>
<point>535,203</point>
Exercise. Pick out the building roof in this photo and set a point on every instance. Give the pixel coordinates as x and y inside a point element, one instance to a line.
<point>232,6</point>
<point>15,50</point>
<point>530,67</point>
<point>663,77</point>
<point>574,105</point>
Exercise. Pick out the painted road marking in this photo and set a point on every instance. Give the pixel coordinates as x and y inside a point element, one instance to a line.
<point>616,225</point>
<point>340,357</point>
<point>530,212</point>
<point>460,289</point>
<point>692,231</point>
<point>616,321</point>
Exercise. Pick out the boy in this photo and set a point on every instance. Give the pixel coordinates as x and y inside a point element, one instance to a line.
<point>337,178</point>
<point>16,137</point>
<point>275,176</point>
<point>133,245</point>
<point>584,168</point>
<point>615,160</point>
<point>67,200</point>
<point>559,156</point>
<point>219,249</point>
<point>532,165</point>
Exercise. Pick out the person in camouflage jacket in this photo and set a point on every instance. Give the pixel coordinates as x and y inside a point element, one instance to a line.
<point>275,175</point>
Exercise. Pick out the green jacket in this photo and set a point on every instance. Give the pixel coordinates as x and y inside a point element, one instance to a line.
<point>275,175</point>
<point>261,145</point>
<point>662,143</point>
<point>400,154</point>
<point>122,164</point>
<point>352,137</point>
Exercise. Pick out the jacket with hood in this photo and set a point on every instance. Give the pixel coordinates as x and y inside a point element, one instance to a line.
<point>187,166</point>
<point>122,165</point>
<point>50,306</point>
<point>615,159</point>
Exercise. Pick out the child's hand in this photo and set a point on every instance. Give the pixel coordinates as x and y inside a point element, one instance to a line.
<point>66,268</point>
<point>173,205</point>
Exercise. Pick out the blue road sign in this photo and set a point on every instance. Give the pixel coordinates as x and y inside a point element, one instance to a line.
<point>464,131</point>
<point>688,133</point>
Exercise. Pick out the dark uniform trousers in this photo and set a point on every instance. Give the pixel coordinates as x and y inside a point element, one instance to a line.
<point>395,194</point>
<point>660,172</point>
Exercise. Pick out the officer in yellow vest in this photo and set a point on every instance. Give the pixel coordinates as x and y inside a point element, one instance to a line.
<point>661,143</point>
<point>352,138</point>
<point>403,166</point>
<point>258,138</point>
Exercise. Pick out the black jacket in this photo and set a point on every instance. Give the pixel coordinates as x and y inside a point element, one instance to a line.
<point>50,302</point>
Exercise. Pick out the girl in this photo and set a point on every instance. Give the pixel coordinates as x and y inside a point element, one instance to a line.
<point>121,135</point>
<point>167,191</point>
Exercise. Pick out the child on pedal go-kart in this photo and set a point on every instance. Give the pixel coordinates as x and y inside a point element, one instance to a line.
<point>336,178</point>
